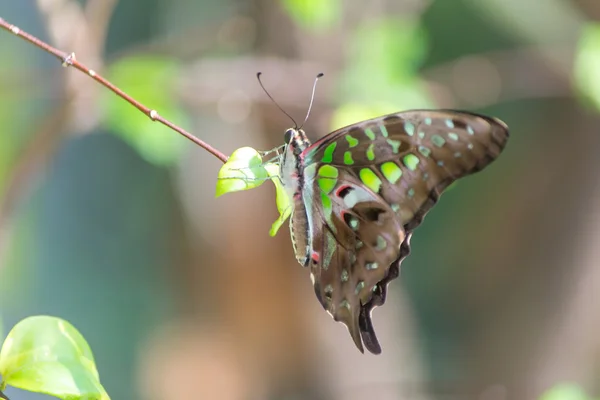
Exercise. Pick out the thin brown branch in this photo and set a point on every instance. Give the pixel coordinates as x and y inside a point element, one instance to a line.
<point>68,60</point>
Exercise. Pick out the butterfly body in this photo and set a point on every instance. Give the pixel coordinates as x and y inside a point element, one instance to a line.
<point>359,192</point>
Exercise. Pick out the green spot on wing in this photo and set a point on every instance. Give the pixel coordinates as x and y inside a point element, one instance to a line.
<point>326,202</point>
<point>411,161</point>
<point>326,184</point>
<point>371,266</point>
<point>391,171</point>
<point>453,136</point>
<point>359,286</point>
<point>395,145</point>
<point>371,152</point>
<point>370,134</point>
<point>327,178</point>
<point>328,171</point>
<point>438,141</point>
<point>330,246</point>
<point>371,180</point>
<point>383,130</point>
<point>352,142</point>
<point>381,243</point>
<point>424,150</point>
<point>427,121</point>
<point>409,127</point>
<point>328,154</point>
<point>348,158</point>
<point>344,275</point>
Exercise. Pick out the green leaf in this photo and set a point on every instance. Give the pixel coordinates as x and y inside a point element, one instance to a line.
<point>48,355</point>
<point>565,391</point>
<point>587,64</point>
<point>284,204</point>
<point>243,170</point>
<point>314,14</point>
<point>149,80</point>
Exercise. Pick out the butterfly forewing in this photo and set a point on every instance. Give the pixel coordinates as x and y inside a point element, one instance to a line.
<point>367,186</point>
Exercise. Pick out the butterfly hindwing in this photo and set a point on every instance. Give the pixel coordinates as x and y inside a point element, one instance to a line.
<point>367,186</point>
<point>355,238</point>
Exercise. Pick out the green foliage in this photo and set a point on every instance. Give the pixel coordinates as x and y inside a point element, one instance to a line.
<point>314,15</point>
<point>284,206</point>
<point>48,355</point>
<point>587,65</point>
<point>16,104</point>
<point>351,113</point>
<point>150,80</point>
<point>565,391</point>
<point>245,170</point>
<point>386,55</point>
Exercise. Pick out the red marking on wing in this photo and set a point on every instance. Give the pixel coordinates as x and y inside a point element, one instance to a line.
<point>312,147</point>
<point>340,189</point>
<point>315,257</point>
<point>342,213</point>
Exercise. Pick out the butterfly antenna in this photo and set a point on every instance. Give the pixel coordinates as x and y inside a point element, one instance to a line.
<point>273,100</point>
<point>312,98</point>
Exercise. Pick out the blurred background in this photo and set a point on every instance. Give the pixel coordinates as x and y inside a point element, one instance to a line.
<point>109,220</point>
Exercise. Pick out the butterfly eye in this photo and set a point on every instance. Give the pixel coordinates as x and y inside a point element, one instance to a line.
<point>287,136</point>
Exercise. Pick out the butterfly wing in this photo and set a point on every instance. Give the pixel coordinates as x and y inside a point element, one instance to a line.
<point>368,186</point>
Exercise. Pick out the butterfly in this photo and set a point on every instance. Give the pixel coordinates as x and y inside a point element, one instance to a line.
<point>359,192</point>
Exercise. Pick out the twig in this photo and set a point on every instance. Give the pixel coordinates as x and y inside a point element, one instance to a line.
<point>3,396</point>
<point>68,60</point>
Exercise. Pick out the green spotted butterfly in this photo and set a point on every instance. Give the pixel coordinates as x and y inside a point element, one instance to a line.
<point>359,193</point>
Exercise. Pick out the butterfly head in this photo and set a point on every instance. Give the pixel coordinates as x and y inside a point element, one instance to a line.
<point>295,140</point>
<point>290,164</point>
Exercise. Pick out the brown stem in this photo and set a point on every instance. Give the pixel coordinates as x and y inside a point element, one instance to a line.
<point>68,60</point>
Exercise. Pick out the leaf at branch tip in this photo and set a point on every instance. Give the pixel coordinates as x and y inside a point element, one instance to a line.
<point>48,355</point>
<point>284,205</point>
<point>243,170</point>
